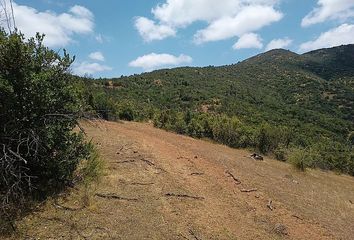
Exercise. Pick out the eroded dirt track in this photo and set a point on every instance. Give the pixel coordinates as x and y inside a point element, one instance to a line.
<point>160,185</point>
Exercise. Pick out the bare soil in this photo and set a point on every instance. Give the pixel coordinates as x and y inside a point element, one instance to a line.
<point>159,185</point>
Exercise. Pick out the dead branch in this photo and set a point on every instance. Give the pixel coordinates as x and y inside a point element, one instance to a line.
<point>183,196</point>
<point>125,161</point>
<point>236,180</point>
<point>58,205</point>
<point>269,205</point>
<point>193,234</point>
<point>184,237</point>
<point>122,147</point>
<point>148,162</point>
<point>249,190</point>
<point>113,196</point>
<point>197,174</point>
<point>141,184</point>
<point>297,217</point>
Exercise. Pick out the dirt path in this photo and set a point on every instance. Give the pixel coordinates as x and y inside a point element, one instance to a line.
<point>160,185</point>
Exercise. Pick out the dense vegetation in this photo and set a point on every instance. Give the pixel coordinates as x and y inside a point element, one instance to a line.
<point>297,107</point>
<point>40,105</point>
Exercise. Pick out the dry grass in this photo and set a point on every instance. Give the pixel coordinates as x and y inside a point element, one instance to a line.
<point>159,185</point>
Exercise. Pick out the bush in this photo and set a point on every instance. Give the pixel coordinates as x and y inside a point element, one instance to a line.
<point>91,168</point>
<point>127,113</point>
<point>228,131</point>
<point>300,158</point>
<point>280,153</point>
<point>270,137</point>
<point>39,108</point>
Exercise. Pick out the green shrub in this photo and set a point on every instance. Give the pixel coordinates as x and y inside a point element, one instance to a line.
<point>39,108</point>
<point>270,137</point>
<point>180,125</point>
<point>127,113</point>
<point>280,153</point>
<point>228,131</point>
<point>91,169</point>
<point>196,128</point>
<point>299,158</point>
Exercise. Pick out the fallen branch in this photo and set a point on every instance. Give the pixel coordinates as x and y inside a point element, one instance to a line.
<point>192,233</point>
<point>295,216</point>
<point>148,162</point>
<point>184,237</point>
<point>122,147</point>
<point>113,196</point>
<point>237,181</point>
<point>249,190</point>
<point>269,205</point>
<point>183,196</point>
<point>141,184</point>
<point>57,205</point>
<point>197,174</point>
<point>126,161</point>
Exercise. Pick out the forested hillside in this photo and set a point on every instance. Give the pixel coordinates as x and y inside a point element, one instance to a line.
<point>297,107</point>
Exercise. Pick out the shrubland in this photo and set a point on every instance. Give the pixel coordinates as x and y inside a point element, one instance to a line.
<point>277,103</point>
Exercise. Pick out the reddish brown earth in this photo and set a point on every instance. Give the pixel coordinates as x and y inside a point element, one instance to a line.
<point>159,185</point>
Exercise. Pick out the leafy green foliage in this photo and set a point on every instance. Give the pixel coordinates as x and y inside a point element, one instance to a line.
<point>273,102</point>
<point>40,105</point>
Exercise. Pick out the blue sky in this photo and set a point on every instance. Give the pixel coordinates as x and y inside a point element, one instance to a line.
<point>115,37</point>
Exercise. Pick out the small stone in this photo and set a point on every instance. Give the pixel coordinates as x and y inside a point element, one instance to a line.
<point>280,229</point>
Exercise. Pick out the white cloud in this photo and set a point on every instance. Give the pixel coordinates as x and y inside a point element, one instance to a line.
<point>150,31</point>
<point>278,43</point>
<point>334,37</point>
<point>58,28</point>
<point>225,18</point>
<point>89,68</point>
<point>154,61</point>
<point>329,10</point>
<point>98,56</point>
<point>249,40</point>
<point>184,12</point>
<point>251,18</point>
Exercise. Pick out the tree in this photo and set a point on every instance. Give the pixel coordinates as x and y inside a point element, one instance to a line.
<point>39,108</point>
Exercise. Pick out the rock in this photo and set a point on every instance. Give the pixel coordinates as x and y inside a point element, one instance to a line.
<point>256,156</point>
<point>280,229</point>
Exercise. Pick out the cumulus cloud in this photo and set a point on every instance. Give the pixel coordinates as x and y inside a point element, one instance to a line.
<point>249,19</point>
<point>334,37</point>
<point>154,61</point>
<point>249,40</point>
<point>58,28</point>
<point>150,31</point>
<point>89,68</point>
<point>278,43</point>
<point>98,56</point>
<point>329,10</point>
<point>225,18</point>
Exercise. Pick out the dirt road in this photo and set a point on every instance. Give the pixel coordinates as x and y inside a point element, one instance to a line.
<point>160,185</point>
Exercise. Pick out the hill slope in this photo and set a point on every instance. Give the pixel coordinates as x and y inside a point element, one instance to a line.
<point>160,185</point>
<point>315,88</point>
<point>279,99</point>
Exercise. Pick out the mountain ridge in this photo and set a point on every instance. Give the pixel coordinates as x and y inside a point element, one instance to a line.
<point>278,95</point>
